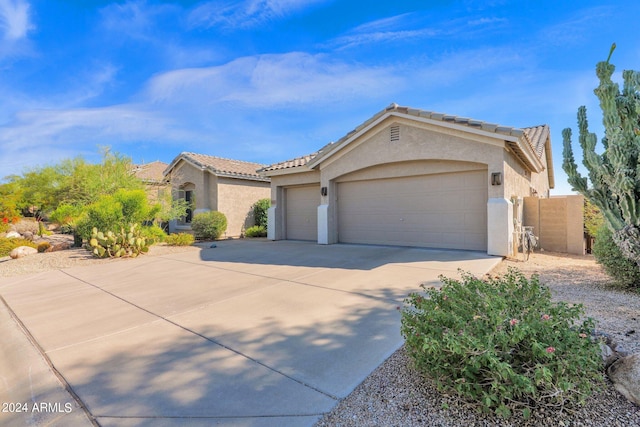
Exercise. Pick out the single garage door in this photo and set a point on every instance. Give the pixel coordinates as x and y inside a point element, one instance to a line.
<point>302,212</point>
<point>437,211</point>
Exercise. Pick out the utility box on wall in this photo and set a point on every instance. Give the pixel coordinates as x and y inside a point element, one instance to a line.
<point>558,222</point>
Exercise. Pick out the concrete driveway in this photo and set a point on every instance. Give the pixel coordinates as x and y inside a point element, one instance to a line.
<point>250,333</point>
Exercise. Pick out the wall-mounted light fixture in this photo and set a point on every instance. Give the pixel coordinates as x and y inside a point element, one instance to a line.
<point>323,191</point>
<point>496,178</point>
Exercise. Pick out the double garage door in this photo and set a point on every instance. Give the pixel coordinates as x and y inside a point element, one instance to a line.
<point>438,211</point>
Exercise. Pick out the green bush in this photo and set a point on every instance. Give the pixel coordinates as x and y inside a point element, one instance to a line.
<point>502,344</point>
<point>9,244</point>
<point>209,225</point>
<point>116,211</point>
<point>153,233</point>
<point>180,239</point>
<point>256,231</point>
<point>260,209</point>
<point>125,243</point>
<point>65,216</point>
<point>623,271</point>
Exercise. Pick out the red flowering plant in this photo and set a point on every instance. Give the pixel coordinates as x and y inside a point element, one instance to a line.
<point>501,343</point>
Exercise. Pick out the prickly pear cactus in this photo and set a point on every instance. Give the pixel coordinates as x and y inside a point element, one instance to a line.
<point>615,174</point>
<point>126,243</point>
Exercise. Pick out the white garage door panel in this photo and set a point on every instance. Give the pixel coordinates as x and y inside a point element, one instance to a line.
<point>441,211</point>
<point>302,212</point>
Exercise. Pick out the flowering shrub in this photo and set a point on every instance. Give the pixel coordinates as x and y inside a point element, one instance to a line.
<point>501,343</point>
<point>6,221</point>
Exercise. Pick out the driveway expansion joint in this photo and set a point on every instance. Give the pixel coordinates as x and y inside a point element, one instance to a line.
<point>211,340</point>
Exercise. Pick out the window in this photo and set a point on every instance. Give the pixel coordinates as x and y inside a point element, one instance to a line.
<point>187,193</point>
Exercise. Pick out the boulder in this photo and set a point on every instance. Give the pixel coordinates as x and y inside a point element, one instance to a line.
<point>625,375</point>
<point>58,247</point>
<point>13,234</point>
<point>22,251</point>
<point>28,235</point>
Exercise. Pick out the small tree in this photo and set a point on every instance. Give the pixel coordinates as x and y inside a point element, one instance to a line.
<point>614,174</point>
<point>260,209</point>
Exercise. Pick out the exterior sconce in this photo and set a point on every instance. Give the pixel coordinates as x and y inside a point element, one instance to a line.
<point>323,191</point>
<point>496,178</point>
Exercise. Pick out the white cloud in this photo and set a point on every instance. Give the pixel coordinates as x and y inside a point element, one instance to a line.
<point>135,19</point>
<point>14,19</point>
<point>266,81</point>
<point>245,14</point>
<point>413,26</point>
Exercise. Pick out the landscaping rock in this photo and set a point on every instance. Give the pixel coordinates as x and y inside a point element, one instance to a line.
<point>625,375</point>
<point>28,236</point>
<point>22,251</point>
<point>58,247</point>
<point>13,234</point>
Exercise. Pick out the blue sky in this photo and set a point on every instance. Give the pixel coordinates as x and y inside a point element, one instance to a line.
<point>268,80</point>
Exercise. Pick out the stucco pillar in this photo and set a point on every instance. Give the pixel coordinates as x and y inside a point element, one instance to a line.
<point>272,222</point>
<point>499,226</point>
<point>323,224</point>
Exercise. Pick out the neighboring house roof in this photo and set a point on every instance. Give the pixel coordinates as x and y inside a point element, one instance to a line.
<point>526,143</point>
<point>150,172</point>
<point>220,166</point>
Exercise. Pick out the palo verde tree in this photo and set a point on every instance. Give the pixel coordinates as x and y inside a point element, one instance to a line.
<point>614,174</point>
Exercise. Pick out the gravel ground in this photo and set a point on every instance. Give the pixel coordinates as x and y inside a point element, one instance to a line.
<point>70,258</point>
<point>396,395</point>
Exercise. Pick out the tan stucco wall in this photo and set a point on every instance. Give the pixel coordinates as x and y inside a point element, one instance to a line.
<point>233,197</point>
<point>301,178</point>
<point>205,184</point>
<point>236,198</point>
<point>558,222</point>
<point>417,142</point>
<point>518,182</point>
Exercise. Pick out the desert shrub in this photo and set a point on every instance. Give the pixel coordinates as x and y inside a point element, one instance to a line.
<point>65,216</point>
<point>154,233</point>
<point>112,212</point>
<point>179,239</point>
<point>127,242</point>
<point>501,343</point>
<point>260,209</point>
<point>42,247</point>
<point>256,231</point>
<point>9,244</point>
<point>622,270</point>
<point>209,225</point>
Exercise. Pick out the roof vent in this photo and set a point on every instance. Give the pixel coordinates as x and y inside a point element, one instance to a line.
<point>395,133</point>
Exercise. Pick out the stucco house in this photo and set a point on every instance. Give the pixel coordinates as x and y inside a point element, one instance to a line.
<point>152,175</point>
<point>214,183</point>
<point>412,177</point>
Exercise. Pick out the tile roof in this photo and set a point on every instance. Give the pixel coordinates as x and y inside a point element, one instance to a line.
<point>150,172</point>
<point>221,166</point>
<point>535,136</point>
<point>297,162</point>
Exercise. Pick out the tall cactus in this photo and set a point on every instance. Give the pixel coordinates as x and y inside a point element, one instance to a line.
<point>614,174</point>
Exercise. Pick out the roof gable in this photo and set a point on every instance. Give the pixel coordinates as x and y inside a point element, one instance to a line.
<point>526,143</point>
<point>220,166</point>
<point>150,172</point>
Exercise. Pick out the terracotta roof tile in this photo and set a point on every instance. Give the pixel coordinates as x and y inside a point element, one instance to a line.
<point>535,135</point>
<point>221,166</point>
<point>150,172</point>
